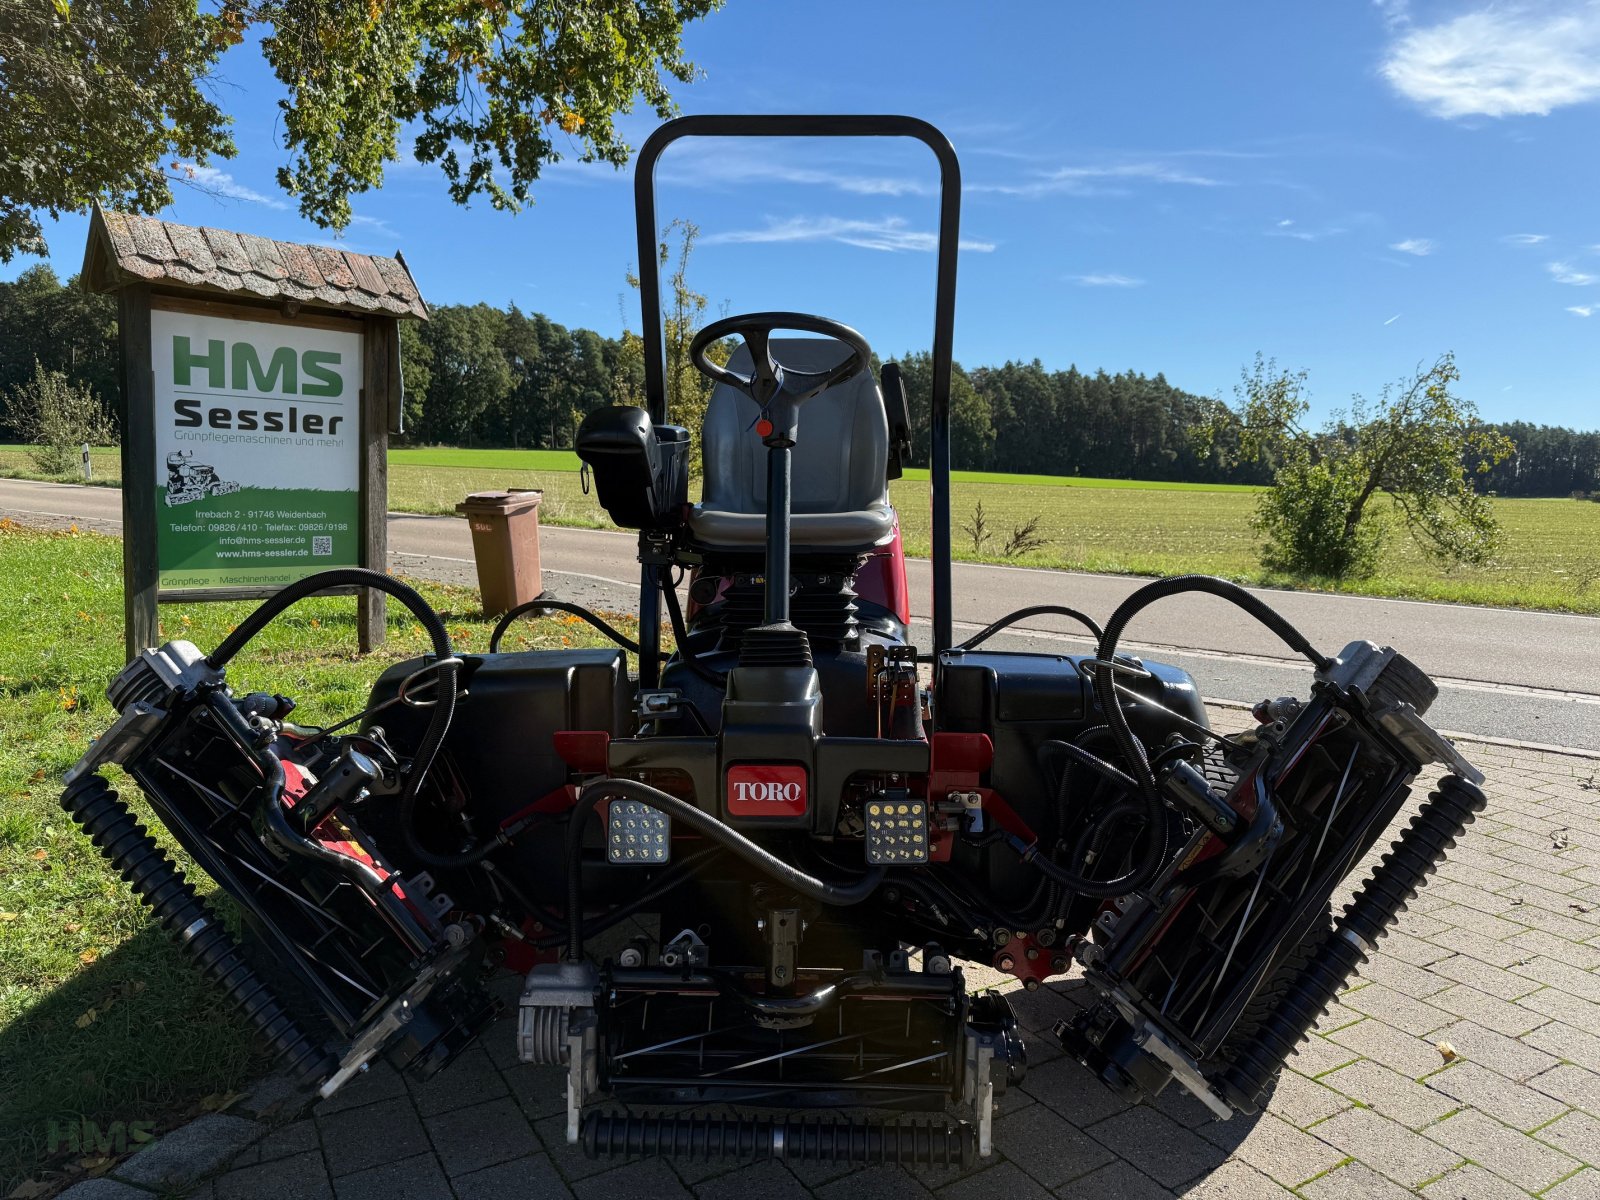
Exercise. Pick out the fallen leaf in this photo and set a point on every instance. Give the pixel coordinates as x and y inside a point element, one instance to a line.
<point>87,1019</point>
<point>88,956</point>
<point>72,927</point>
<point>8,916</point>
<point>30,1188</point>
<point>37,776</point>
<point>39,855</point>
<point>1447,1052</point>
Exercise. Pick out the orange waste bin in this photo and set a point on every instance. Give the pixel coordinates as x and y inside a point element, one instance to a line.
<point>505,545</point>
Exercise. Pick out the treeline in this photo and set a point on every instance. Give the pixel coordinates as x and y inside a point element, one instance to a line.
<point>477,375</point>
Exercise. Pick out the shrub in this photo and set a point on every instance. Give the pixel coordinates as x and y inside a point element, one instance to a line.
<point>1305,519</point>
<point>58,416</point>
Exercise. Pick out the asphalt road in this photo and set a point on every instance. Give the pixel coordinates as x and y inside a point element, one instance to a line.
<point>1528,676</point>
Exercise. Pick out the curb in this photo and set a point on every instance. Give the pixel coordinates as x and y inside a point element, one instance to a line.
<point>184,1157</point>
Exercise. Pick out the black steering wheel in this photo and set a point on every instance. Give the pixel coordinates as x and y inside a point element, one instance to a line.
<point>770,381</point>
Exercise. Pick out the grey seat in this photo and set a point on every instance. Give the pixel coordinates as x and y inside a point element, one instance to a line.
<point>840,486</point>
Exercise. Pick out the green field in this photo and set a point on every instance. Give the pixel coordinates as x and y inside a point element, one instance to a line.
<point>1549,557</point>
<point>100,1018</point>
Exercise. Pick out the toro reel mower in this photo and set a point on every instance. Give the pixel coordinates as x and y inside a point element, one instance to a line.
<point>819,821</point>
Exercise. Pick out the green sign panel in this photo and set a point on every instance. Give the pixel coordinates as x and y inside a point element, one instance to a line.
<point>258,435</point>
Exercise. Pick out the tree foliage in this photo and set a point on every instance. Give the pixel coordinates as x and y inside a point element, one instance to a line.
<point>99,95</point>
<point>106,99</point>
<point>1015,417</point>
<point>1419,443</point>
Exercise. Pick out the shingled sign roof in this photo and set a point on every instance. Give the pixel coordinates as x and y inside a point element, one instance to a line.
<point>124,249</point>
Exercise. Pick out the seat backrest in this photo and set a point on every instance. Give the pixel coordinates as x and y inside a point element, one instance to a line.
<point>840,458</point>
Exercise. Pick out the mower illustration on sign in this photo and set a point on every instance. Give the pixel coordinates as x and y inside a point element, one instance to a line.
<point>188,481</point>
<point>820,821</point>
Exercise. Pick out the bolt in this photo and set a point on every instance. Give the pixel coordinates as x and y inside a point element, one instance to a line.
<point>939,964</point>
<point>1032,952</point>
<point>1005,962</point>
<point>892,895</point>
<point>1059,964</point>
<point>1002,936</point>
<point>1045,937</point>
<point>1030,985</point>
<point>630,957</point>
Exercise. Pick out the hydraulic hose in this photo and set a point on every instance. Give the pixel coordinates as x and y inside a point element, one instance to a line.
<point>680,633</point>
<point>576,610</point>
<point>444,706</point>
<point>1105,683</point>
<point>1037,610</point>
<point>833,894</point>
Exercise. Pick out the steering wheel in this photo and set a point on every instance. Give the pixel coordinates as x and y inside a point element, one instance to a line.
<point>770,384</point>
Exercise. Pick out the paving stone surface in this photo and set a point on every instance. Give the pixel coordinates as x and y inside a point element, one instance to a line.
<point>1499,958</point>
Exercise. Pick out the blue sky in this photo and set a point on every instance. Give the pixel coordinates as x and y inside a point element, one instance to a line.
<point>1351,188</point>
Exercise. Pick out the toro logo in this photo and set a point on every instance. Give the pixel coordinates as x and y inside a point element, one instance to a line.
<point>766,791</point>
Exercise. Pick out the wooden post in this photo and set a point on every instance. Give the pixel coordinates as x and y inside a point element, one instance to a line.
<point>140,619</point>
<point>380,384</point>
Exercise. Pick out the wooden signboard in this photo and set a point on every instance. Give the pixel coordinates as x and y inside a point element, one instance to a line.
<point>255,423</point>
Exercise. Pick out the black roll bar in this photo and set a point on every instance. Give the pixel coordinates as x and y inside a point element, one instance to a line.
<point>944,313</point>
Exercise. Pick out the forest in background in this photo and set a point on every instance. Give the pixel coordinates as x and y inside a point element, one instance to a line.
<point>477,375</point>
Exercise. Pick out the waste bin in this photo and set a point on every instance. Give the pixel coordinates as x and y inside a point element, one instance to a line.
<point>505,545</point>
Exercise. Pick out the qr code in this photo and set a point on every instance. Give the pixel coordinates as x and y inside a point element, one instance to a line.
<point>322,545</point>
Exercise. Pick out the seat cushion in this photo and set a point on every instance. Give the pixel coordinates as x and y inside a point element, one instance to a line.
<point>859,528</point>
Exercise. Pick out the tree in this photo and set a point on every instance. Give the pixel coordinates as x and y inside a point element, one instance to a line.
<point>106,99</point>
<point>688,391</point>
<point>58,417</point>
<point>416,372</point>
<point>64,328</point>
<point>1419,444</point>
<point>469,372</point>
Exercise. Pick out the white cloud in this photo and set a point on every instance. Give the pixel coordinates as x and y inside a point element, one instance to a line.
<point>1565,273</point>
<point>1525,239</point>
<point>1501,61</point>
<point>1097,180</point>
<point>1392,319</point>
<point>1421,247</point>
<point>1107,279</point>
<point>219,183</point>
<point>376,224</point>
<point>707,168</point>
<point>890,234</point>
<point>1584,310</point>
<point>1395,14</point>
<point>1305,235</point>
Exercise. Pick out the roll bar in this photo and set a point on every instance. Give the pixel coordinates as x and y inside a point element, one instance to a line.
<point>944,312</point>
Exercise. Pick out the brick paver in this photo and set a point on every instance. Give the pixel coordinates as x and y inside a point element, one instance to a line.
<point>1499,958</point>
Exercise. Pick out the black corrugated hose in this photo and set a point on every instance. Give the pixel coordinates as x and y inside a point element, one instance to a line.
<point>199,934</point>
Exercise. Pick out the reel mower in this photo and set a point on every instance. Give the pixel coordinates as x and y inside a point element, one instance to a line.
<point>818,821</point>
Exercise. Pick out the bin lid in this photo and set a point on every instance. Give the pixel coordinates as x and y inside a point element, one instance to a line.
<point>513,500</point>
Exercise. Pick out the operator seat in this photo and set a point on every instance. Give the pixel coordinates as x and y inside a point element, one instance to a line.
<point>839,464</point>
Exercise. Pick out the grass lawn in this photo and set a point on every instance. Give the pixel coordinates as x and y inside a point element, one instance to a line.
<point>100,1018</point>
<point>1549,556</point>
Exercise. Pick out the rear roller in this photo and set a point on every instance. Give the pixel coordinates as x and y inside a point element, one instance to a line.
<point>932,1143</point>
<point>1353,939</point>
<point>200,935</point>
